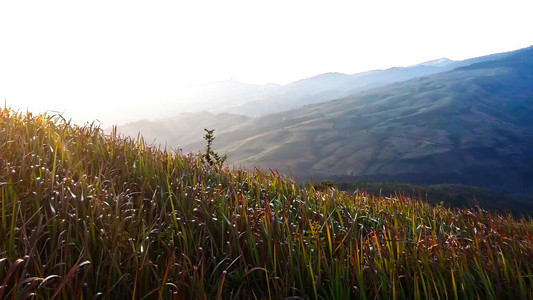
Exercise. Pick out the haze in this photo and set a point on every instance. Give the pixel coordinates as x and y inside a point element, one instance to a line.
<point>122,61</point>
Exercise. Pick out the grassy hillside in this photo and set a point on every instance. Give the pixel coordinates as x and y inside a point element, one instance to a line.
<point>89,216</point>
<point>450,195</point>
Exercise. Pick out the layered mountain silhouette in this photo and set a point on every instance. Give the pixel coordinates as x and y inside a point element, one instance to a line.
<point>259,100</point>
<point>470,123</point>
<point>183,128</point>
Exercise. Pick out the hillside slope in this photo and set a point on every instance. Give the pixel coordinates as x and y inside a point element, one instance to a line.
<point>218,105</point>
<point>180,129</point>
<point>472,125</point>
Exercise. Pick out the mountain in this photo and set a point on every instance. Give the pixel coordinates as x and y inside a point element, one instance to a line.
<point>216,97</point>
<point>182,128</point>
<point>258,100</point>
<point>221,105</point>
<point>199,105</point>
<point>471,125</point>
<point>438,62</point>
<point>330,86</point>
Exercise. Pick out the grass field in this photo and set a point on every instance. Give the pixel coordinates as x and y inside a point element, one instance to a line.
<point>89,216</point>
<point>450,195</point>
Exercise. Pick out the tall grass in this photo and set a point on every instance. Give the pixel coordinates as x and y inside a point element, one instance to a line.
<point>88,216</point>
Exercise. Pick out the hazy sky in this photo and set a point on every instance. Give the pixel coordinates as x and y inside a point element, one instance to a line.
<point>102,59</point>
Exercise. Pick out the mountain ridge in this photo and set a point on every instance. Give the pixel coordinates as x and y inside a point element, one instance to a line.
<point>466,121</point>
<point>470,120</point>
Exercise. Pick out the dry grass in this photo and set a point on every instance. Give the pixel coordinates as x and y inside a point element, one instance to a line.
<point>89,216</point>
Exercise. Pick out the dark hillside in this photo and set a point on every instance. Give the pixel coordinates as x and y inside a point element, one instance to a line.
<point>472,125</point>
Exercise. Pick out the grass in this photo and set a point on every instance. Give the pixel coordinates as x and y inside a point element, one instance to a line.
<point>84,215</point>
<point>451,195</point>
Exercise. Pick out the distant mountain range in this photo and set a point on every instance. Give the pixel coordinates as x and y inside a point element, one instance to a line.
<point>259,100</point>
<point>468,122</point>
<point>182,129</point>
<point>199,104</point>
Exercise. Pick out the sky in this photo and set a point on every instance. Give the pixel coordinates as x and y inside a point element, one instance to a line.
<point>112,61</point>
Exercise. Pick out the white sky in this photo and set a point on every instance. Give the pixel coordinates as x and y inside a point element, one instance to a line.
<point>109,59</point>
